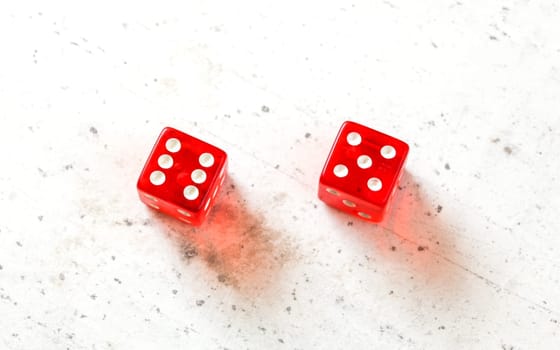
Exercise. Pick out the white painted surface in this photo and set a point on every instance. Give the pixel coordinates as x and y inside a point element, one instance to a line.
<point>469,258</point>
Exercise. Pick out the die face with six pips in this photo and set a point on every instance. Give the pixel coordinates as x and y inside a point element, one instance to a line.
<point>362,171</point>
<point>182,176</point>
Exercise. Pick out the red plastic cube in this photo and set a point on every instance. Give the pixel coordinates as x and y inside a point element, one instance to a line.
<point>362,171</point>
<point>182,176</point>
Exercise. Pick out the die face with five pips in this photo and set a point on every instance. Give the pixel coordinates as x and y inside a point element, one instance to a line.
<point>182,176</point>
<point>362,171</point>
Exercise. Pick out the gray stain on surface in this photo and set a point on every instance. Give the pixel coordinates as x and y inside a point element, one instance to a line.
<point>236,243</point>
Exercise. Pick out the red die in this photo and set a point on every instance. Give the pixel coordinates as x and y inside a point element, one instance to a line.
<point>182,176</point>
<point>362,171</point>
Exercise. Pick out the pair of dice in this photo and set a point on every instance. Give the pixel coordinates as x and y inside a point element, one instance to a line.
<point>183,174</point>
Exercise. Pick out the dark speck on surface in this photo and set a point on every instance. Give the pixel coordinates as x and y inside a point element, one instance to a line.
<point>421,248</point>
<point>1,267</point>
<point>43,173</point>
<point>200,302</point>
<point>68,167</point>
<point>212,258</point>
<point>265,109</point>
<point>277,166</point>
<point>40,217</point>
<point>127,222</point>
<point>393,248</point>
<point>496,140</point>
<point>19,244</point>
<point>174,291</point>
<point>439,208</point>
<point>508,150</point>
<point>280,340</point>
<point>93,130</point>
<point>492,37</point>
<point>222,278</point>
<point>447,167</point>
<point>189,251</point>
<point>117,280</point>
<point>307,135</point>
<point>350,223</point>
<point>61,276</point>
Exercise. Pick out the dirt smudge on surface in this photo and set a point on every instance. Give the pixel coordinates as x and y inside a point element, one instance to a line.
<point>236,242</point>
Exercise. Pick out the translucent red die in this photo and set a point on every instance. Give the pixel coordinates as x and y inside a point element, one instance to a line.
<point>182,176</point>
<point>362,171</point>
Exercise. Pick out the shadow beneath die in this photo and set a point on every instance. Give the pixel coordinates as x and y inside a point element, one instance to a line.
<point>234,242</point>
<point>420,223</point>
<point>413,236</point>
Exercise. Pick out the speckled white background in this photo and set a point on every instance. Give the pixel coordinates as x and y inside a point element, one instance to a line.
<point>469,257</point>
